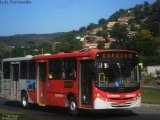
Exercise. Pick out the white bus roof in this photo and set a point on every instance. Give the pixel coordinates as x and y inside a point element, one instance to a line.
<point>18,58</point>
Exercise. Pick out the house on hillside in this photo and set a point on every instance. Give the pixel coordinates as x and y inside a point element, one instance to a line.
<point>96,30</point>
<point>107,45</point>
<point>111,39</point>
<point>12,47</point>
<point>111,24</point>
<point>90,45</point>
<point>124,20</point>
<point>93,38</point>
<point>131,33</point>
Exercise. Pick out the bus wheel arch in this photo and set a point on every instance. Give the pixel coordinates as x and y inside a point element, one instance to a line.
<point>24,99</point>
<point>72,104</point>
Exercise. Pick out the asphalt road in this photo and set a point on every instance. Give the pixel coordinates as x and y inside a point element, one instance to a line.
<point>146,112</point>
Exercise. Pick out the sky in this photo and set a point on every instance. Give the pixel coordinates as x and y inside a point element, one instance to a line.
<point>50,16</point>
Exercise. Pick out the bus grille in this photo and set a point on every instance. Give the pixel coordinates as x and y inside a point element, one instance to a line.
<point>120,98</point>
<point>120,104</point>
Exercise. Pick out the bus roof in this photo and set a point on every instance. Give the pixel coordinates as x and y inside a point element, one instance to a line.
<point>18,58</point>
<point>82,53</point>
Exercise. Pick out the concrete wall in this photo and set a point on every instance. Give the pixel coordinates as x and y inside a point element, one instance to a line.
<point>153,71</point>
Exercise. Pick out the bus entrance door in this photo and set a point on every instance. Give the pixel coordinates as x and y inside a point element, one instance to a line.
<point>85,86</point>
<point>15,78</point>
<point>41,93</point>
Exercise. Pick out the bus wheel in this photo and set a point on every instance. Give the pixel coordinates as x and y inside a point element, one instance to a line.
<point>24,100</point>
<point>73,106</point>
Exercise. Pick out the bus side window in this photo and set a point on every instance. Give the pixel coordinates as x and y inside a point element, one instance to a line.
<point>23,69</point>
<point>69,69</point>
<point>6,70</point>
<point>55,69</point>
<point>32,70</point>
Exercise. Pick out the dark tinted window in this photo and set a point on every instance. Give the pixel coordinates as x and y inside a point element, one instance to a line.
<point>69,69</point>
<point>6,70</point>
<point>32,69</point>
<point>55,69</point>
<point>23,69</point>
<point>42,72</point>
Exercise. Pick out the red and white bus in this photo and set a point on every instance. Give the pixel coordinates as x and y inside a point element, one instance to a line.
<point>87,79</point>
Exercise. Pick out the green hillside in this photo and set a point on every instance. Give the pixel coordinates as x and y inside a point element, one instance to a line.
<point>30,39</point>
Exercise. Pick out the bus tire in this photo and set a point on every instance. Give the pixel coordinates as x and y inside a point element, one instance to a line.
<point>73,106</point>
<point>24,100</point>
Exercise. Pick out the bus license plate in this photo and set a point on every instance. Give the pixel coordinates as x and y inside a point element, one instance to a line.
<point>121,104</point>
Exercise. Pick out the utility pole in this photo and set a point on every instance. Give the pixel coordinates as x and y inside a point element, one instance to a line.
<point>42,51</point>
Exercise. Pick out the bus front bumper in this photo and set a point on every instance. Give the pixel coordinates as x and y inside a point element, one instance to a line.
<point>101,104</point>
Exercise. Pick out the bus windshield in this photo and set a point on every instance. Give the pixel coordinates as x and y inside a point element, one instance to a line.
<point>116,74</point>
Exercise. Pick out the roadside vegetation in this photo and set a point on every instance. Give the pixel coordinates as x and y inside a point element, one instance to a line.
<point>150,96</point>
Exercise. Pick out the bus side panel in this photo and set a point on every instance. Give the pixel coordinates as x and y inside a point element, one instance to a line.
<point>56,99</point>
<point>32,90</point>
<point>6,88</point>
<point>26,85</point>
<point>32,96</point>
<point>5,84</point>
<point>57,91</point>
<point>21,86</point>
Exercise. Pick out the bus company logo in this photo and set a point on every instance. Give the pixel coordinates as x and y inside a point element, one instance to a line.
<point>59,95</point>
<point>14,2</point>
<point>113,96</point>
<point>130,95</point>
<point>85,58</point>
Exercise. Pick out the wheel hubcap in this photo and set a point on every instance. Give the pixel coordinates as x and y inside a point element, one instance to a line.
<point>24,101</point>
<point>73,106</point>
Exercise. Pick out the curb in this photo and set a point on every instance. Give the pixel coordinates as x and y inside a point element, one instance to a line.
<point>148,86</point>
<point>150,105</point>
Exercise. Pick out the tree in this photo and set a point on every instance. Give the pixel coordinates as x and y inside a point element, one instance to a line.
<point>144,35</point>
<point>103,33</point>
<point>69,43</point>
<point>116,45</point>
<point>4,51</point>
<point>133,27</point>
<point>118,14</point>
<point>100,45</point>
<point>68,46</point>
<point>91,26</point>
<point>17,51</point>
<point>119,32</point>
<point>153,26</point>
<point>146,6</point>
<point>102,22</point>
<point>131,21</point>
<point>144,43</point>
<point>46,47</point>
<point>63,47</point>
<point>83,29</point>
